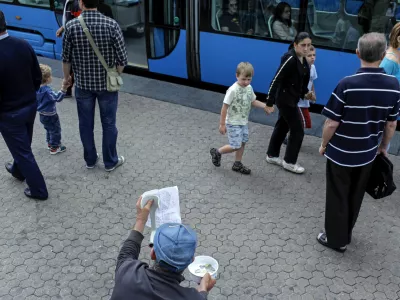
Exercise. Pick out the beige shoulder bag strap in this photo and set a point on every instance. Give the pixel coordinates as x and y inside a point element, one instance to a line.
<point>114,80</point>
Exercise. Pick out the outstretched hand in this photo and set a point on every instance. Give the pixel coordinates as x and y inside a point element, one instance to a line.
<point>60,31</point>
<point>142,214</point>
<point>206,283</point>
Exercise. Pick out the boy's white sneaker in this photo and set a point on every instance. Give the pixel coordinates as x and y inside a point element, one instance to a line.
<point>296,168</point>
<point>274,160</point>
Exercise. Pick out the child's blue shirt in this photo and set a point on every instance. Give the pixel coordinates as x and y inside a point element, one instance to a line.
<point>46,100</point>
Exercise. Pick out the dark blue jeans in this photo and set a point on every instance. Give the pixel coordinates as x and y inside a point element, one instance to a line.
<point>108,103</point>
<point>53,129</point>
<point>17,130</point>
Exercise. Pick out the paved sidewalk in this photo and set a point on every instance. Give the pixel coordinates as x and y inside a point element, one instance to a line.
<point>261,228</point>
<point>202,99</point>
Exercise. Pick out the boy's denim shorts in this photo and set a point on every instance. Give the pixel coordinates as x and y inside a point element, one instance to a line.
<point>237,134</point>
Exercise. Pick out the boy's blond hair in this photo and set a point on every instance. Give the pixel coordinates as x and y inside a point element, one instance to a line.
<point>46,72</point>
<point>245,69</point>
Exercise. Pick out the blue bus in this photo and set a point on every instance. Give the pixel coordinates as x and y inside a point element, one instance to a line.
<point>182,40</point>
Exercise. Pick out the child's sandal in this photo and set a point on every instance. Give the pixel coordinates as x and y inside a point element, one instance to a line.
<point>239,167</point>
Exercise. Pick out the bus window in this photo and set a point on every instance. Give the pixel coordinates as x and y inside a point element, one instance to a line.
<point>165,14</point>
<point>166,19</point>
<point>130,16</point>
<point>327,5</point>
<point>39,3</point>
<point>255,17</point>
<point>59,5</point>
<point>283,23</point>
<point>384,14</point>
<point>238,16</point>
<point>353,6</point>
<point>330,25</point>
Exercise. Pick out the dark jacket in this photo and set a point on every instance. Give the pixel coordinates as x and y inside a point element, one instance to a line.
<point>20,75</point>
<point>290,82</point>
<point>230,21</point>
<point>46,100</point>
<point>135,280</point>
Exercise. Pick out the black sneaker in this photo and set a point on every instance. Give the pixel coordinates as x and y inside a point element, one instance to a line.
<point>239,167</point>
<point>215,157</point>
<point>323,240</point>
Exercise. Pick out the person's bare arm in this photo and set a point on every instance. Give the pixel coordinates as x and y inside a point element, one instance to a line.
<point>222,125</point>
<point>388,133</point>
<point>66,71</point>
<point>329,130</point>
<point>258,104</point>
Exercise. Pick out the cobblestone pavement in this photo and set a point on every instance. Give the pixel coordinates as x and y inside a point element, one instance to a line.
<point>261,228</point>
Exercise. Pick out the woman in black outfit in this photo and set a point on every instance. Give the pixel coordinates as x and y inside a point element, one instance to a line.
<point>287,88</point>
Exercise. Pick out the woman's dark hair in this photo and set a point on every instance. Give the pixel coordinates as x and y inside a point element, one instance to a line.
<point>299,37</point>
<point>279,9</point>
<point>3,26</point>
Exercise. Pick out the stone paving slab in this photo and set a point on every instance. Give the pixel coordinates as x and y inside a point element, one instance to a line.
<point>261,228</point>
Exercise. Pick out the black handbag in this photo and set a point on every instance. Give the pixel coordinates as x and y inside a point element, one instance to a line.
<point>380,182</point>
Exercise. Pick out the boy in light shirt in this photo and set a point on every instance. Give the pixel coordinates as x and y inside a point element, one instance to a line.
<point>234,120</point>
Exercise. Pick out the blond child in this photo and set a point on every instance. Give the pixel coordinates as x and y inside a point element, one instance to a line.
<point>46,106</point>
<point>234,120</point>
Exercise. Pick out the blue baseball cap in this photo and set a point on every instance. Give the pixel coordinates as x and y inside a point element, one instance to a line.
<point>174,245</point>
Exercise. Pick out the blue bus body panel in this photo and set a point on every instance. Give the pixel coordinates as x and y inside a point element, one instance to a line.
<point>220,54</point>
<point>37,42</point>
<point>40,25</point>
<point>174,64</point>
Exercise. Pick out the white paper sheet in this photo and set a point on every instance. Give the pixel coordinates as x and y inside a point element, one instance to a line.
<point>169,210</point>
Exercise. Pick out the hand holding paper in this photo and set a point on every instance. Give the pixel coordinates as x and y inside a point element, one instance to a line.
<point>165,208</point>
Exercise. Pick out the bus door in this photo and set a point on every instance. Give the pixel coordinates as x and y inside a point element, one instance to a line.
<point>166,37</point>
<point>33,21</point>
<point>130,15</point>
